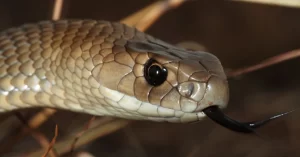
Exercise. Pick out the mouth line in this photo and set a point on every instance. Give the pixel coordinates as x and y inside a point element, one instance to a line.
<point>216,114</point>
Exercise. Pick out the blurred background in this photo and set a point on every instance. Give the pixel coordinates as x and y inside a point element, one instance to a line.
<point>239,33</point>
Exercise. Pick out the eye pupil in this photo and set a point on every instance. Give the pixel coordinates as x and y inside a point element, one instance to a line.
<point>154,71</point>
<point>154,74</point>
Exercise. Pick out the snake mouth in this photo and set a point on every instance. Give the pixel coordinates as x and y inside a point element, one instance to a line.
<point>215,114</point>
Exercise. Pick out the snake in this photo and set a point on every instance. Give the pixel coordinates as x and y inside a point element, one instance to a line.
<point>107,68</point>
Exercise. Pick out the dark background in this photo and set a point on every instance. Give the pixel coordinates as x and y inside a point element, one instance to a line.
<point>240,34</point>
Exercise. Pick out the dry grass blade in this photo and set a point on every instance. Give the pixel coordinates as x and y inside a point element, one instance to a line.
<point>285,3</point>
<point>52,141</point>
<point>39,137</point>
<point>41,117</point>
<point>87,126</point>
<point>268,62</point>
<point>58,4</point>
<point>144,18</point>
<point>90,135</point>
<point>134,18</point>
<point>33,123</point>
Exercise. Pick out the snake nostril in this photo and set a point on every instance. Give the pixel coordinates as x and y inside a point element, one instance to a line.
<point>191,88</point>
<point>186,89</point>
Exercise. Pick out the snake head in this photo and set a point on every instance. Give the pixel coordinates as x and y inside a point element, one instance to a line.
<point>180,82</point>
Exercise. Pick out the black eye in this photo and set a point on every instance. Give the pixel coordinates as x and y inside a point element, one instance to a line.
<point>154,73</point>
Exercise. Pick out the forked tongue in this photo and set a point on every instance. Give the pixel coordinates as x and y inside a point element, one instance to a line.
<point>215,113</point>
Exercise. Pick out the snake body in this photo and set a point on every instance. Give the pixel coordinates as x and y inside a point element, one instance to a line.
<point>98,68</point>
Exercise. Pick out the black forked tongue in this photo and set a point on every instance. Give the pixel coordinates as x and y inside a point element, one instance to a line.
<point>215,113</point>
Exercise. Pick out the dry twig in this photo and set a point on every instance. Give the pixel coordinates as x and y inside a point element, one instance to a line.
<point>58,5</point>
<point>52,142</point>
<point>285,3</point>
<point>268,62</point>
<point>39,137</point>
<point>87,126</point>
<point>90,135</point>
<point>144,18</point>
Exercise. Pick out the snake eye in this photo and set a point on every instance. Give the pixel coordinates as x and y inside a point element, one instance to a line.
<point>154,73</point>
